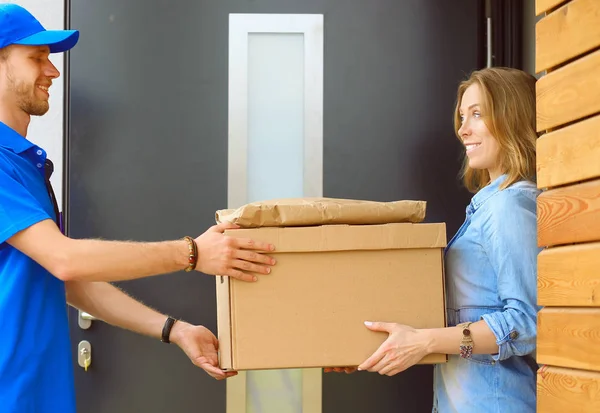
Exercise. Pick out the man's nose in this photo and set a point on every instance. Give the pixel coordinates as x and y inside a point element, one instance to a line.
<point>51,71</point>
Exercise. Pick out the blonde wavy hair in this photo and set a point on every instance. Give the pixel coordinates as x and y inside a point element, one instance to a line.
<point>508,110</point>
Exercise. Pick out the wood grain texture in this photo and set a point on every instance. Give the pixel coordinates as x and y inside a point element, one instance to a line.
<point>568,32</point>
<point>569,337</point>
<point>561,390</point>
<point>569,93</point>
<point>542,6</point>
<point>569,276</point>
<point>569,214</point>
<point>569,154</point>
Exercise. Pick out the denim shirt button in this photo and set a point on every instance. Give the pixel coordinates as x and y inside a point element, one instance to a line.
<point>513,335</point>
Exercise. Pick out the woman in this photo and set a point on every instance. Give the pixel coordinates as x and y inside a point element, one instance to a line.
<point>490,262</point>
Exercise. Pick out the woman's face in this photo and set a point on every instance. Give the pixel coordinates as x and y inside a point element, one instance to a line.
<point>481,147</point>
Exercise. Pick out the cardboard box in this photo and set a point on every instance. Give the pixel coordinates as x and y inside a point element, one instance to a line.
<point>309,311</point>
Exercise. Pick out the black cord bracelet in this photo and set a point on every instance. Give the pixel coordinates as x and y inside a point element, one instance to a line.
<point>166,331</point>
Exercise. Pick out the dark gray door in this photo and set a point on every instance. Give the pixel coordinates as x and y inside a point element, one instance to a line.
<point>147,160</point>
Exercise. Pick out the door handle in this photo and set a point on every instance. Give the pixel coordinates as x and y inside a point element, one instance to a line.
<point>85,319</point>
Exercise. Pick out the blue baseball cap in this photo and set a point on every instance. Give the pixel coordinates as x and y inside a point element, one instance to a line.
<point>18,26</point>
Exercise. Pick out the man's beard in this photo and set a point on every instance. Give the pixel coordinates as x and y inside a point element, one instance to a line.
<point>25,97</point>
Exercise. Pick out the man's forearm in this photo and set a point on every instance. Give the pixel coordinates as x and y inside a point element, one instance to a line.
<point>113,306</point>
<point>93,260</point>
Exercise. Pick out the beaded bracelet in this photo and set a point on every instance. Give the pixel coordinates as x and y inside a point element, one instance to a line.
<point>466,344</point>
<point>193,257</point>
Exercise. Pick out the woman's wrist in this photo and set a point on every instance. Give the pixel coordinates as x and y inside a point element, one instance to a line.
<point>429,339</point>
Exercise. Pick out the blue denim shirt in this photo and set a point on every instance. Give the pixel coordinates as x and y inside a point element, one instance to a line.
<point>491,274</point>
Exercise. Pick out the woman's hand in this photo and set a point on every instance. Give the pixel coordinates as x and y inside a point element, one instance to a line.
<point>404,347</point>
<point>347,370</point>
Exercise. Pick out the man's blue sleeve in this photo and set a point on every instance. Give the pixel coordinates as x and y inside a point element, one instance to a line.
<point>18,207</point>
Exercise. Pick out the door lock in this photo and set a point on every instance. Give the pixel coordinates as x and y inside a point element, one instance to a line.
<point>84,354</point>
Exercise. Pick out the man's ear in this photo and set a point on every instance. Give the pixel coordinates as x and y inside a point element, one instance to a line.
<point>5,53</point>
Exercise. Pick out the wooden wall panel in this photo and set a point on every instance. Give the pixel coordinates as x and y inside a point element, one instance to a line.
<point>569,276</point>
<point>566,33</point>
<point>569,93</point>
<point>542,6</point>
<point>569,214</point>
<point>568,211</point>
<point>569,337</point>
<point>563,390</point>
<point>569,154</point>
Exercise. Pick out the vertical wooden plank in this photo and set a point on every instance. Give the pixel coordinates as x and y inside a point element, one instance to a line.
<point>312,390</point>
<point>236,393</point>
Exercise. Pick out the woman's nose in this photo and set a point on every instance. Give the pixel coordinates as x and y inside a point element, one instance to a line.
<point>464,129</point>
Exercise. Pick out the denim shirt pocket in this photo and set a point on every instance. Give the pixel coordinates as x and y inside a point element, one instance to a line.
<point>474,314</point>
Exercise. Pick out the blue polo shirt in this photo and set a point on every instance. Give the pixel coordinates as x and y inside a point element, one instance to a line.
<point>36,370</point>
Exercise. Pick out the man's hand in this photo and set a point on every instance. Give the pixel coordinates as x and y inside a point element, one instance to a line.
<point>230,256</point>
<point>404,347</point>
<point>201,346</point>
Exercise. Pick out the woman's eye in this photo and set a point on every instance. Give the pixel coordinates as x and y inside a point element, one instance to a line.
<point>477,114</point>
<point>462,119</point>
